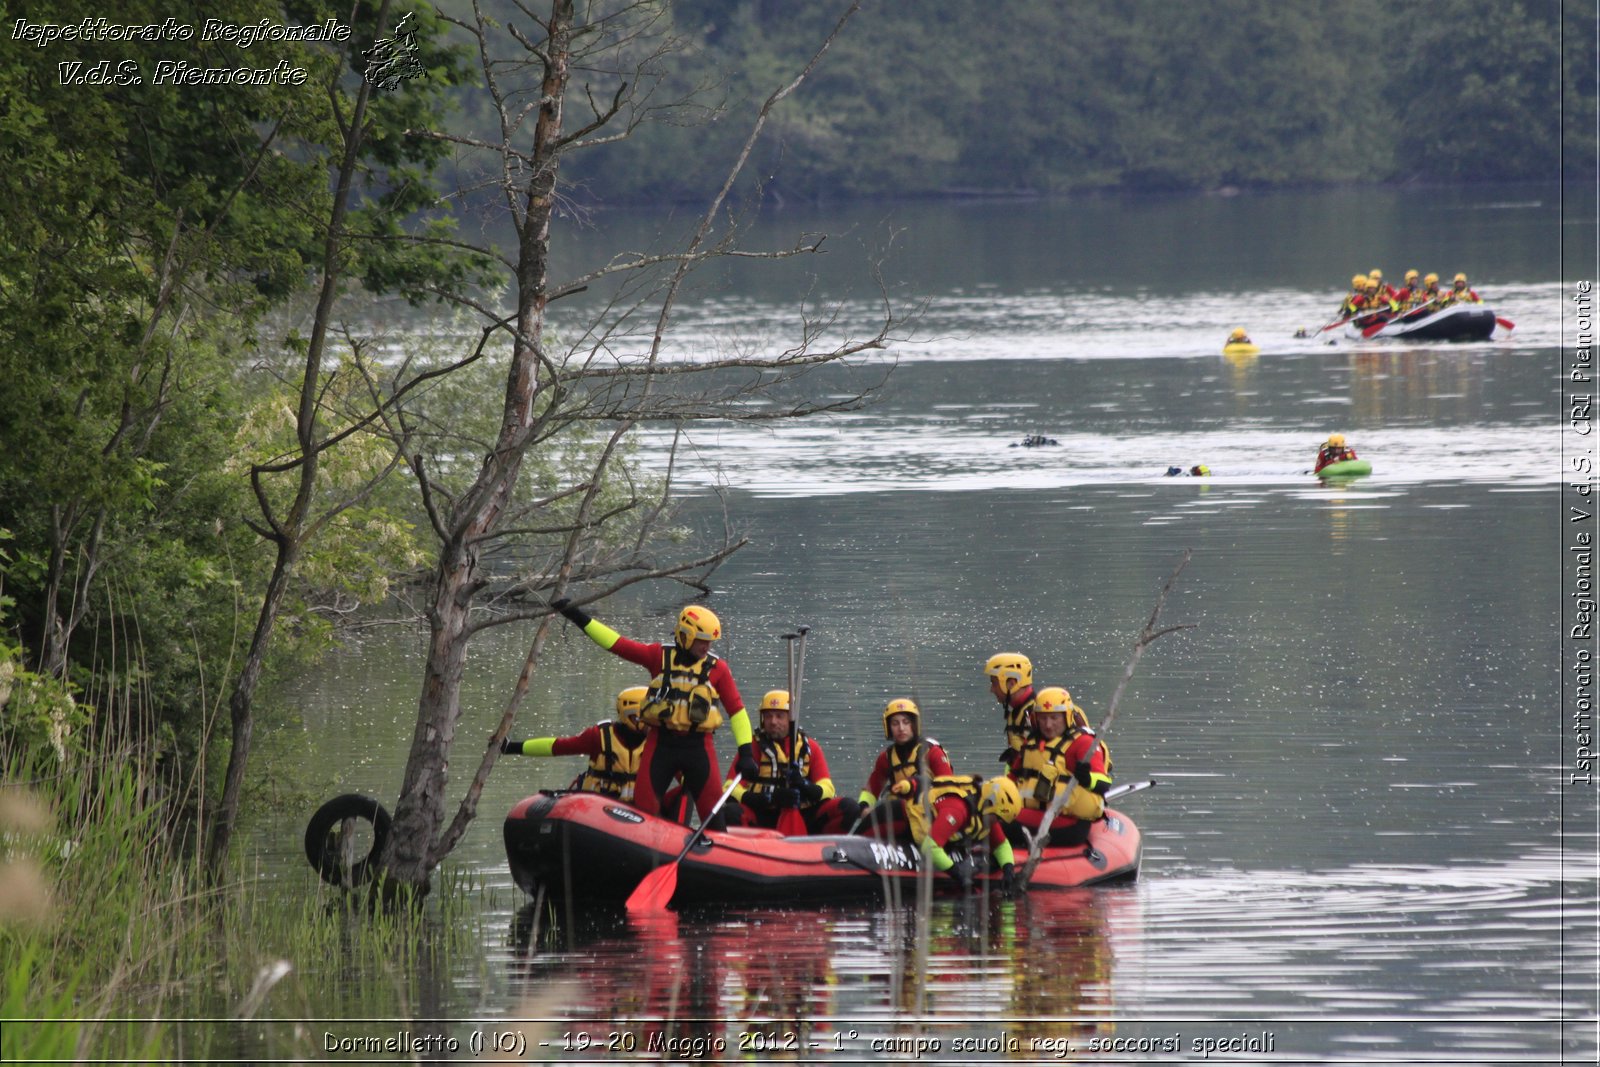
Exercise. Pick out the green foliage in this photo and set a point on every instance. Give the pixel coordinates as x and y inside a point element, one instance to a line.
<point>1042,96</point>
<point>1480,95</point>
<point>150,229</point>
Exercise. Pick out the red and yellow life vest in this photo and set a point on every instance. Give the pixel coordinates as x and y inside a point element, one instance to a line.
<point>681,697</point>
<point>612,770</point>
<point>1017,720</point>
<point>775,763</point>
<point>905,769</point>
<point>1044,764</point>
<point>964,786</point>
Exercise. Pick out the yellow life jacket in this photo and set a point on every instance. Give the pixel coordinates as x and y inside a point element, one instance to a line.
<point>681,697</point>
<point>774,772</point>
<point>1044,765</point>
<point>1089,804</point>
<point>962,785</point>
<point>1017,723</point>
<point>613,769</point>
<point>906,769</point>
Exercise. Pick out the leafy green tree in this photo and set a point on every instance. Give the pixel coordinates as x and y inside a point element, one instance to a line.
<point>1479,90</point>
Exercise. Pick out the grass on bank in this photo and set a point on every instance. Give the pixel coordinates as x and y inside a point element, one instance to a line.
<point>114,947</point>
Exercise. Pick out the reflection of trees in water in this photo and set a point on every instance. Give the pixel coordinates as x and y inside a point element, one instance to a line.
<point>799,976</point>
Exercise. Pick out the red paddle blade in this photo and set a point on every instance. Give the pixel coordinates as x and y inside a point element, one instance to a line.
<point>1507,323</point>
<point>654,891</point>
<point>791,823</point>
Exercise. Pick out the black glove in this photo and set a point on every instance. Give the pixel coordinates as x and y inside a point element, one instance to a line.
<point>1008,879</point>
<point>866,806</point>
<point>962,873</point>
<point>746,763</point>
<point>811,792</point>
<point>786,798</point>
<point>564,605</point>
<point>757,803</point>
<point>510,747</point>
<point>1006,756</point>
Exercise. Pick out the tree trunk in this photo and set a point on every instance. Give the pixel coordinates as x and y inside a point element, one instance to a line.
<point>241,713</point>
<point>290,532</point>
<point>414,845</point>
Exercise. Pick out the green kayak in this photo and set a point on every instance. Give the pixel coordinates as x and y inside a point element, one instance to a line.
<point>1348,468</point>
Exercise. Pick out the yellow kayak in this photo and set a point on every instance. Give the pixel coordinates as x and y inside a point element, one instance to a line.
<point>1241,348</point>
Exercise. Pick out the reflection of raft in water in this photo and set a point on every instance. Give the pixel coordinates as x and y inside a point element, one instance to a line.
<point>592,848</point>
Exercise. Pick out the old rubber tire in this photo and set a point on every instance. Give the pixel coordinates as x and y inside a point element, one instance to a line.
<point>324,854</point>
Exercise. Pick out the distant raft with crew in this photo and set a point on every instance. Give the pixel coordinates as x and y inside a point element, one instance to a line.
<point>1418,311</point>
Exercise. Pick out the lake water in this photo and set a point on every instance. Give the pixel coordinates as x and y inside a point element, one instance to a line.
<point>1363,847</point>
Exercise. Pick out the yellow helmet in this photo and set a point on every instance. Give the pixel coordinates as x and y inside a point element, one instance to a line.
<point>999,797</point>
<point>630,701</point>
<point>1336,440</point>
<point>1430,279</point>
<point>1238,334</point>
<point>696,623</point>
<point>1411,275</point>
<point>776,700</point>
<point>1358,282</point>
<point>1010,667</point>
<point>902,706</point>
<point>1374,275</point>
<point>1052,699</point>
<point>1372,283</point>
<point>1461,279</point>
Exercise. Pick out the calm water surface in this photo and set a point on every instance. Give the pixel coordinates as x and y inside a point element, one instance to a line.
<point>1361,848</point>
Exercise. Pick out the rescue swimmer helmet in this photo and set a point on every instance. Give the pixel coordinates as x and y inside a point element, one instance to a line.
<point>1013,669</point>
<point>1358,282</point>
<point>1411,276</point>
<point>999,797</point>
<point>1238,334</point>
<point>1430,279</point>
<point>1460,279</point>
<point>1052,699</point>
<point>902,706</point>
<point>1336,440</point>
<point>696,623</point>
<point>776,700</point>
<point>1374,275</point>
<point>630,701</point>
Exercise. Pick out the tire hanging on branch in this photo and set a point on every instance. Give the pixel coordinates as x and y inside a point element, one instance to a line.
<point>324,840</point>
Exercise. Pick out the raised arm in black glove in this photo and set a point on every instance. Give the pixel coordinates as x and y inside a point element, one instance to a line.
<point>810,792</point>
<point>564,605</point>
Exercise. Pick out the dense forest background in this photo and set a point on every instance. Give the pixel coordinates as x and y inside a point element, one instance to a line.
<point>1040,97</point>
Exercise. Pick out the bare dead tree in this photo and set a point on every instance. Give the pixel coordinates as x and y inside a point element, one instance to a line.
<point>587,519</point>
<point>1146,637</point>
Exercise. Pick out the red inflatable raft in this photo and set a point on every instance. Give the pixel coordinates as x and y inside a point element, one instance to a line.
<point>588,847</point>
